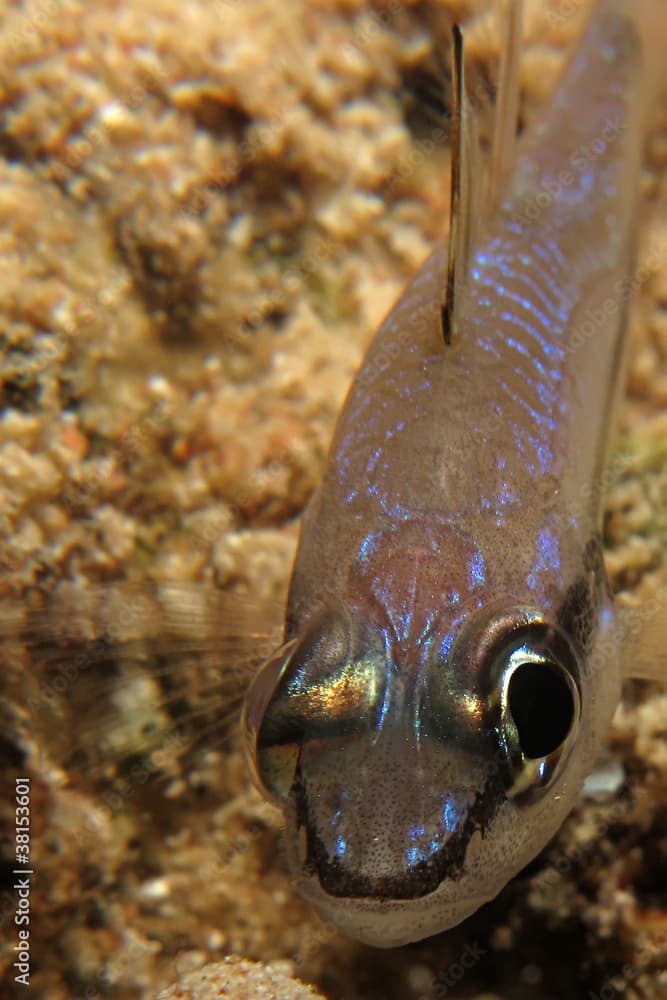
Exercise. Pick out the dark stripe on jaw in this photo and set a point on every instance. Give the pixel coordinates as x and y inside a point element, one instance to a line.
<point>422,878</point>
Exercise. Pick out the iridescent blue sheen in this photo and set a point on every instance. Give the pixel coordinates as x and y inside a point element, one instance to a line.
<point>450,814</point>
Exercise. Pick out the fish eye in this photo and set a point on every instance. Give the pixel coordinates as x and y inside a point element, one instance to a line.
<point>313,688</point>
<point>273,776</point>
<point>537,710</point>
<point>541,704</point>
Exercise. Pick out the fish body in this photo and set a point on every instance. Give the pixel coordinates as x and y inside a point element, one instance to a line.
<point>452,655</point>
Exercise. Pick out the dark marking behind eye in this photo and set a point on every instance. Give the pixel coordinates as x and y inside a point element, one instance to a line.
<point>577,615</point>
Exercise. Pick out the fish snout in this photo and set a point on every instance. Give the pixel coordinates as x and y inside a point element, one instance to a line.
<point>386,820</point>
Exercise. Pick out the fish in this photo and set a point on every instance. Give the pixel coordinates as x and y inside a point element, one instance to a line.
<point>452,654</point>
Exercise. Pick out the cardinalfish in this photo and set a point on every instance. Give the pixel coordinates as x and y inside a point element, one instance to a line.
<point>452,654</point>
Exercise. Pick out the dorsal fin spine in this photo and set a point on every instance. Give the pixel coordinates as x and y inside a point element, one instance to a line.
<point>470,198</point>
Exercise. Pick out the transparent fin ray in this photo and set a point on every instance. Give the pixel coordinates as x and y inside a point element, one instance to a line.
<point>113,671</point>
<point>125,611</point>
<point>476,184</point>
<point>503,149</point>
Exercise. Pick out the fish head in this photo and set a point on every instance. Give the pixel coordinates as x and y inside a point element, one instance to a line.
<point>424,743</point>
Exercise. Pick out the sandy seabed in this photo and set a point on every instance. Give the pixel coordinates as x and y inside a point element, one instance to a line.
<point>205,210</point>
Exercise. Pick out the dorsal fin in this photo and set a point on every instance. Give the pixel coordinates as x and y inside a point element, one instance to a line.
<point>503,150</point>
<point>467,204</point>
<point>460,191</point>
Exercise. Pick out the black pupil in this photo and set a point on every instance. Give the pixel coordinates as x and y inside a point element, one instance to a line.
<point>542,707</point>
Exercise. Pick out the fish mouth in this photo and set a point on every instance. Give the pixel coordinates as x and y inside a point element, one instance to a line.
<point>408,874</point>
<point>390,923</point>
<point>311,887</point>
